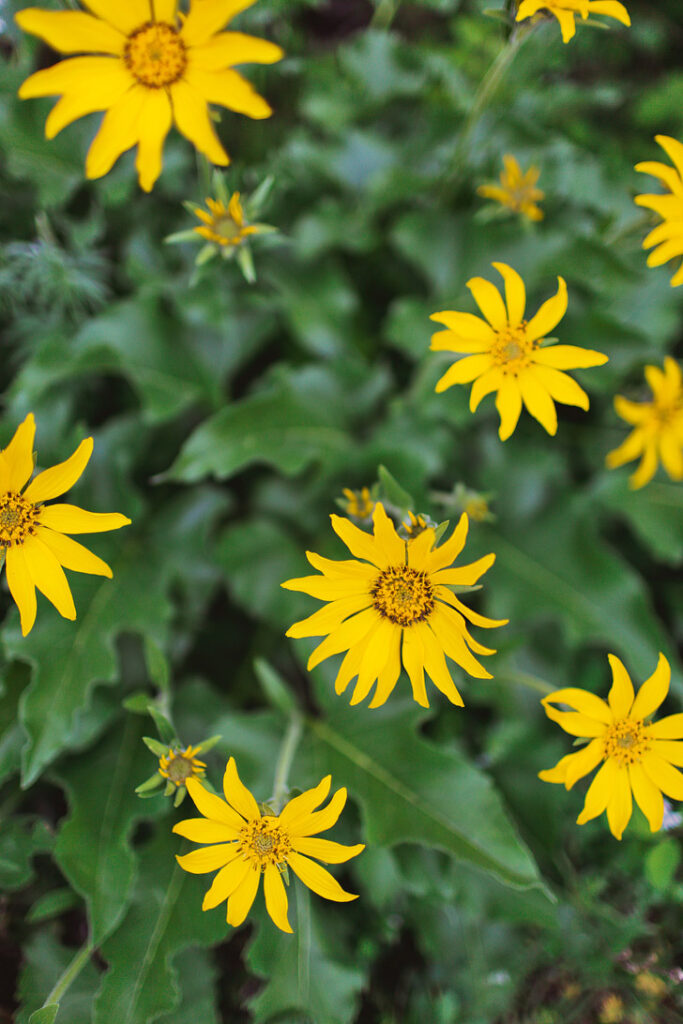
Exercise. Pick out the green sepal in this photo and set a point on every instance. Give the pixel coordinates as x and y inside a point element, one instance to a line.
<point>440,530</point>
<point>137,702</point>
<point>45,1015</point>
<point>157,748</point>
<point>205,745</point>
<point>266,809</point>
<point>246,264</point>
<point>180,796</point>
<point>170,788</point>
<point>205,254</point>
<point>220,188</point>
<point>284,871</point>
<point>456,588</point>
<point>498,15</point>
<point>2,557</point>
<point>153,782</point>
<point>164,727</point>
<point>188,235</point>
<point>190,207</point>
<point>258,198</point>
<point>393,492</point>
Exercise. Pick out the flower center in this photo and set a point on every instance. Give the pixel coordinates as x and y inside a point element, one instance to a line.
<point>179,769</point>
<point>626,741</point>
<point>512,348</point>
<point>264,841</point>
<point>155,55</point>
<point>227,227</point>
<point>403,595</point>
<point>17,517</point>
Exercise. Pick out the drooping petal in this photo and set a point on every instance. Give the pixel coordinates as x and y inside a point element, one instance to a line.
<point>573,722</point>
<point>464,575</point>
<point>583,701</point>
<point>72,555</point>
<point>240,902</point>
<point>653,691</point>
<point>612,9</point>
<point>538,402</point>
<point>230,48</point>
<point>436,667</point>
<point>237,794</point>
<point>620,804</point>
<point>567,23</point>
<point>226,882</point>
<point>212,807</point>
<point>191,116</point>
<point>153,127</point>
<point>21,587</point>
<point>443,594</point>
<point>301,806</point>
<point>490,301</point>
<point>318,878</point>
<point>229,89</point>
<point>350,665</point>
<point>484,385</point>
<point>388,677</point>
<point>71,31</point>
<point>413,661</point>
<point>509,406</point>
<point>18,455</point>
<point>207,17</point>
<point>647,468</point>
<point>515,292</point>
<point>621,693</point>
<point>199,862</point>
<point>452,643</point>
<point>584,762</point>
<point>48,576</point>
<point>628,450</point>
<point>599,792</point>
<point>549,315</point>
<point>647,796</point>
<point>276,898</point>
<point>375,658</point>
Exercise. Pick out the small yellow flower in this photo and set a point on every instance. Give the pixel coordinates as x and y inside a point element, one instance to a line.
<point>152,69</point>
<point>225,226</point>
<point>247,844</point>
<point>414,525</point>
<point>394,607</point>
<point>506,353</point>
<point>32,535</point>
<point>668,236</point>
<point>650,985</point>
<point>180,765</point>
<point>359,504</point>
<point>638,755</point>
<point>612,1009</point>
<point>658,424</point>
<point>517,191</point>
<point>566,10</point>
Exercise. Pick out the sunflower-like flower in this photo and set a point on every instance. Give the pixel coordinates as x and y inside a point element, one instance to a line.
<point>393,604</point>
<point>180,765</point>
<point>517,190</point>
<point>224,225</point>
<point>148,68</point>
<point>566,10</point>
<point>668,236</point>
<point>33,536</point>
<point>638,755</point>
<point>506,353</point>
<point>658,426</point>
<point>246,844</point>
<point>358,504</point>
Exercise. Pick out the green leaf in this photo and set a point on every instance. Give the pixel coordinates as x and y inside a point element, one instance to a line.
<point>52,904</point>
<point>45,961</point>
<point>21,837</point>
<point>393,492</point>
<point>654,513</point>
<point>158,749</point>
<point>275,688</point>
<point>661,864</point>
<point>45,1015</point>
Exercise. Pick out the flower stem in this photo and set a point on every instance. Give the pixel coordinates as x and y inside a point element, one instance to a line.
<point>526,679</point>
<point>204,172</point>
<point>384,13</point>
<point>70,974</point>
<point>285,758</point>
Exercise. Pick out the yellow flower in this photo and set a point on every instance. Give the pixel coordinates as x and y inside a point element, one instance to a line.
<point>517,191</point>
<point>612,1009</point>
<point>507,356</point>
<point>148,73</point>
<point>658,432</point>
<point>32,535</point>
<point>414,525</point>
<point>668,236</point>
<point>224,225</point>
<point>638,755</point>
<point>651,985</point>
<point>395,606</point>
<point>180,765</point>
<point>359,504</point>
<point>566,10</point>
<point>247,844</point>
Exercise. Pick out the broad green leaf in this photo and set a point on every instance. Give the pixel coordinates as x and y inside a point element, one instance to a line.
<point>661,863</point>
<point>21,837</point>
<point>654,513</point>
<point>45,961</point>
<point>45,1015</point>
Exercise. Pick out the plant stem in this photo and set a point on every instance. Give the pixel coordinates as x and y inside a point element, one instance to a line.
<point>70,974</point>
<point>384,13</point>
<point>285,758</point>
<point>526,679</point>
<point>204,172</point>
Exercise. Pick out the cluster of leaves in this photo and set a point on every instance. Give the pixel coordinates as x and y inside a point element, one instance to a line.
<point>227,419</point>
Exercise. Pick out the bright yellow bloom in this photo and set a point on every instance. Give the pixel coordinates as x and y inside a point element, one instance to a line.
<point>668,236</point>
<point>32,535</point>
<point>395,606</point>
<point>507,356</point>
<point>658,424</point>
<point>566,10</point>
<point>223,225</point>
<point>247,844</point>
<point>414,525</point>
<point>612,1009</point>
<point>152,68</point>
<point>517,191</point>
<point>638,755</point>
<point>651,985</point>
<point>359,503</point>
<point>180,765</point>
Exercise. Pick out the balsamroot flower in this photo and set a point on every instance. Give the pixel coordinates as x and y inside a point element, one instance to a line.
<point>566,10</point>
<point>638,756</point>
<point>517,191</point>
<point>668,236</point>
<point>658,427</point>
<point>394,607</point>
<point>32,535</point>
<point>180,765</point>
<point>147,68</point>
<point>224,225</point>
<point>506,353</point>
<point>246,844</point>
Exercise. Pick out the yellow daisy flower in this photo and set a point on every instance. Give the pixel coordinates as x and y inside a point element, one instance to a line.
<point>225,226</point>
<point>32,535</point>
<point>507,356</point>
<point>395,606</point>
<point>517,191</point>
<point>247,844</point>
<point>180,765</point>
<point>359,504</point>
<point>148,68</point>
<point>638,755</point>
<point>566,10</point>
<point>668,236</point>
<point>658,424</point>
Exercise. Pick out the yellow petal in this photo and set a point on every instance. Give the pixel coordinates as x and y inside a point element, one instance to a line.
<point>490,302</point>
<point>55,481</point>
<point>484,385</point>
<point>240,902</point>
<point>71,519</point>
<point>230,48</point>
<point>464,371</point>
<point>387,541</point>
<point>48,576</point>
<point>359,543</point>
<point>71,31</point>
<point>620,804</point>
<point>192,119</point>
<point>445,624</point>
<point>447,552</point>
<point>449,341</point>
<point>673,149</point>
<point>21,587</point>
<point>374,657</point>
<point>201,830</point>
<point>330,617</point>
<point>199,862</point>
<point>621,693</point>
<point>670,750</point>
<point>628,450</point>
<point>344,637</point>
<point>663,775</point>
<point>18,455</point>
<point>350,665</point>
<point>466,325</point>
<point>212,807</point>
<point>207,17</point>
<point>326,850</point>
<point>668,728</point>
<point>653,691</point>
<point>276,898</point>
<point>647,796</point>
<point>443,594</point>
<point>599,792</point>
<point>568,357</point>
<point>328,589</point>
<point>671,453</point>
<point>538,402</point>
<point>435,665</point>
<point>567,24</point>
<point>72,555</point>
<point>153,126</point>
<point>118,133</point>
<point>229,89</point>
<point>515,293</point>
<point>237,794</point>
<point>584,762</point>
<point>465,575</point>
<point>301,806</point>
<point>646,470</point>
<point>388,677</point>
<point>612,9</point>
<point>559,386</point>
<point>227,881</point>
<point>413,661</point>
<point>574,723</point>
<point>583,701</point>
<point>509,406</point>
<point>341,568</point>
<point>319,821</point>
<point>549,315</point>
<point>318,879</point>
<point>126,16</point>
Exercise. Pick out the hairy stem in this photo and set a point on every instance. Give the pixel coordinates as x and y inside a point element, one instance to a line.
<point>285,758</point>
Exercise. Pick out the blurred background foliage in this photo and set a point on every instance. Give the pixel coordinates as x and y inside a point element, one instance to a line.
<point>227,418</point>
